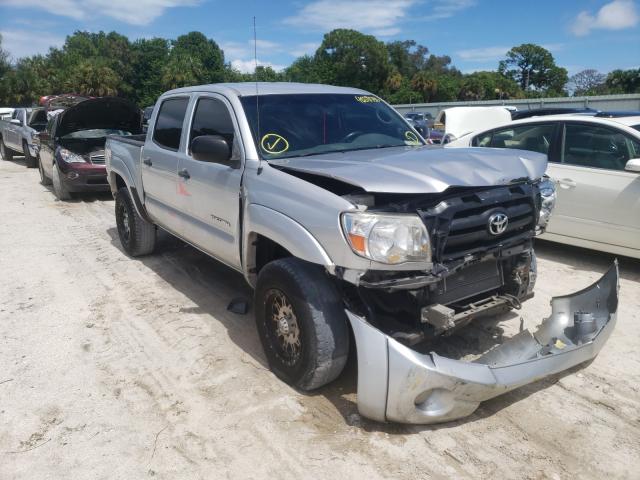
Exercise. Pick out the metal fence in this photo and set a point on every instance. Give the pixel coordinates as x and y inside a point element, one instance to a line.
<point>602,102</point>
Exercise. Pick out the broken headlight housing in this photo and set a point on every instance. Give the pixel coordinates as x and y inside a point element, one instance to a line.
<point>548,201</point>
<point>387,238</point>
<point>70,157</point>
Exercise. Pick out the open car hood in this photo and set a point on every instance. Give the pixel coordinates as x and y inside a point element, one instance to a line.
<point>101,113</point>
<point>423,169</point>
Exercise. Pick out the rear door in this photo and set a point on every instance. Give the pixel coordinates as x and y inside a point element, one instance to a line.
<point>47,147</point>
<point>597,199</point>
<point>210,199</point>
<point>160,157</point>
<point>12,131</point>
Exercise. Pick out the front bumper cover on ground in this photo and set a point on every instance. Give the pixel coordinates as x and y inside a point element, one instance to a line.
<point>398,384</point>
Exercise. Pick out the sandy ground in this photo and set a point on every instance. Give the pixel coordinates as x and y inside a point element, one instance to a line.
<point>119,368</point>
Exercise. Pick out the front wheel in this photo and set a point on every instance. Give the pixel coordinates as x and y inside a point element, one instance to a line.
<point>4,151</point>
<point>44,180</point>
<point>59,188</point>
<point>138,237</point>
<point>301,323</point>
<point>29,160</point>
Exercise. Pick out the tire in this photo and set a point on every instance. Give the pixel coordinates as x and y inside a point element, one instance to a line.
<point>61,192</point>
<point>44,180</point>
<point>137,236</point>
<point>311,348</point>
<point>6,153</point>
<point>29,161</point>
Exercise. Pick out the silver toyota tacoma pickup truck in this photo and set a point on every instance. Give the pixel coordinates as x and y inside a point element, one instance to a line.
<point>348,227</point>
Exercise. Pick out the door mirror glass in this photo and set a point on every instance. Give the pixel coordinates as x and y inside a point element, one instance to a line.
<point>15,121</point>
<point>633,165</point>
<point>211,148</point>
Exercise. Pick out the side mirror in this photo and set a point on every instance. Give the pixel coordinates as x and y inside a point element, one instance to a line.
<point>15,121</point>
<point>212,149</point>
<point>633,165</point>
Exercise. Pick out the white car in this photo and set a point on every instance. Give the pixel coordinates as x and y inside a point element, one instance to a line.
<point>596,164</point>
<point>459,121</point>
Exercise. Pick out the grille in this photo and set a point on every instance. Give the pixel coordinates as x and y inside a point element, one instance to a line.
<point>97,158</point>
<point>460,224</point>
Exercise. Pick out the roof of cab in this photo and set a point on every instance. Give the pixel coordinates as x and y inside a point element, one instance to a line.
<point>268,88</point>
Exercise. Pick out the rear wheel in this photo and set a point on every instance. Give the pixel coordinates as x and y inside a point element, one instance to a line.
<point>138,237</point>
<point>44,180</point>
<point>29,160</point>
<point>301,323</point>
<point>4,151</point>
<point>59,188</point>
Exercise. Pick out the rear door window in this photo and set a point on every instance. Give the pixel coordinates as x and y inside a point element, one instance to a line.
<point>535,137</point>
<point>168,129</point>
<point>597,146</point>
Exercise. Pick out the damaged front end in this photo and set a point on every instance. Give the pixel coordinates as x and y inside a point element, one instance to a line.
<point>396,383</point>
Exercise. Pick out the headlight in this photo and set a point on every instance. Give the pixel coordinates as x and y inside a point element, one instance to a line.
<point>387,238</point>
<point>70,157</point>
<point>548,197</point>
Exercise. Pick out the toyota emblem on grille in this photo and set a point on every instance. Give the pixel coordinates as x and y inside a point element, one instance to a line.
<point>498,223</point>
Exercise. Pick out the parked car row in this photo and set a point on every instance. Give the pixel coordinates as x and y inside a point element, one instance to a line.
<point>67,143</point>
<point>348,226</point>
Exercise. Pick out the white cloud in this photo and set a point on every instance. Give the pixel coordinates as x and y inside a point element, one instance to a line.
<point>134,12</point>
<point>379,17</point>
<point>242,54</point>
<point>23,43</point>
<point>616,15</point>
<point>483,54</point>
<point>486,54</point>
<point>448,8</point>
<point>248,66</point>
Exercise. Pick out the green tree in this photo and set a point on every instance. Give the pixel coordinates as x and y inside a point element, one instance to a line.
<point>5,68</point>
<point>426,84</point>
<point>487,86</point>
<point>304,70</point>
<point>533,68</point>
<point>182,70</point>
<point>93,78</point>
<point>203,52</point>
<point>350,58</point>
<point>150,56</point>
<point>407,57</point>
<point>588,82</point>
<point>27,81</point>
<point>624,81</point>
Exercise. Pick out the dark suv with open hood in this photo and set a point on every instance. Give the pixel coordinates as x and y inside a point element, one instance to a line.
<point>72,145</point>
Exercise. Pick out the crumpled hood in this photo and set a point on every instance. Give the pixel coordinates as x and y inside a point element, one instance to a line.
<point>422,170</point>
<point>101,113</point>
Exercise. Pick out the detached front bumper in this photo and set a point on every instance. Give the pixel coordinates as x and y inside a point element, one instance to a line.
<point>398,384</point>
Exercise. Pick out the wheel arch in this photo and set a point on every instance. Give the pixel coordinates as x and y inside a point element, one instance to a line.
<point>269,235</point>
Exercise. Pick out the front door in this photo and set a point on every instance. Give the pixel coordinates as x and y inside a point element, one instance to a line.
<point>211,191</point>
<point>160,156</point>
<point>597,199</point>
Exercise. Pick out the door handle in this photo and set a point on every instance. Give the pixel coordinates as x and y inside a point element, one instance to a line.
<point>184,174</point>
<point>567,183</point>
<point>147,161</point>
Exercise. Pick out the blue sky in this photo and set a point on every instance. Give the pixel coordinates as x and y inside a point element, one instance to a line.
<point>600,34</point>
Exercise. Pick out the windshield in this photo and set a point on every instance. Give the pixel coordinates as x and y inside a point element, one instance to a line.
<point>96,133</point>
<point>313,124</point>
<point>637,127</point>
